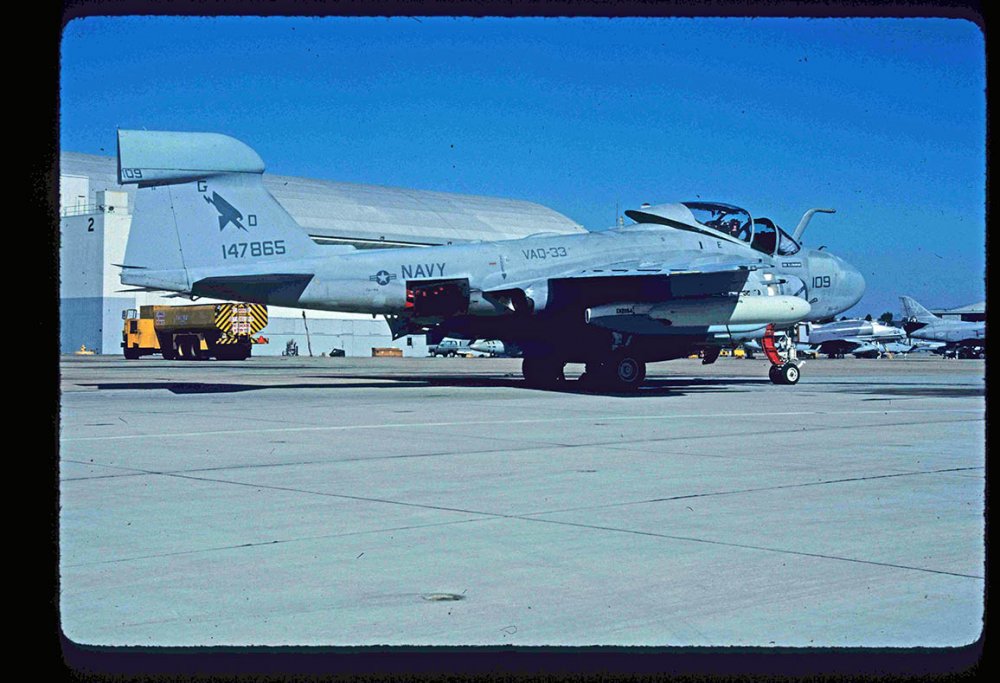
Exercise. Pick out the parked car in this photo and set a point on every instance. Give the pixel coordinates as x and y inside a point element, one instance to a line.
<point>448,347</point>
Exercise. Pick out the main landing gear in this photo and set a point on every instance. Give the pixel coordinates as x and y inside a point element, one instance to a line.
<point>542,371</point>
<point>622,370</point>
<point>785,367</point>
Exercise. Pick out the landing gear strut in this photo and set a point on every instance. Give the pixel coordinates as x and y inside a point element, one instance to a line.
<point>785,367</point>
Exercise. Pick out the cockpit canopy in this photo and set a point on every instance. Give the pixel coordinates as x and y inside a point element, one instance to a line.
<point>727,219</point>
<point>761,233</point>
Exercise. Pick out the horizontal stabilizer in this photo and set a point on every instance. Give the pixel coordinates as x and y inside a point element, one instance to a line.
<point>277,289</point>
<point>139,290</point>
<point>154,157</point>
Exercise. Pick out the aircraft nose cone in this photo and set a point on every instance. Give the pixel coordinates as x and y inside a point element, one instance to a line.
<point>854,283</point>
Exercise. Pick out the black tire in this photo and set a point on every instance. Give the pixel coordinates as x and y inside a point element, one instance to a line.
<point>542,371</point>
<point>187,348</point>
<point>621,372</point>
<point>625,371</point>
<point>790,373</point>
<point>774,373</point>
<point>132,354</point>
<point>591,377</point>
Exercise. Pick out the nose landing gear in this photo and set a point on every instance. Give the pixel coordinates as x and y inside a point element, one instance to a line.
<point>784,374</point>
<point>785,367</point>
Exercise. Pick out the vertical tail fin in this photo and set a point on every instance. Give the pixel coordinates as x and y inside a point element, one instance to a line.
<point>914,311</point>
<point>202,211</point>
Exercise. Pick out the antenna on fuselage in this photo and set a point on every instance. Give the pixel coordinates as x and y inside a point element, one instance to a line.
<point>806,217</point>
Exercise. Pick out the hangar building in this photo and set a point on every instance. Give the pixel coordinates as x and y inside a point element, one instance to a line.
<point>970,313</point>
<point>95,216</point>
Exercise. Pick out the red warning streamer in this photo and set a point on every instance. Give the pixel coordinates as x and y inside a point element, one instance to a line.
<point>770,349</point>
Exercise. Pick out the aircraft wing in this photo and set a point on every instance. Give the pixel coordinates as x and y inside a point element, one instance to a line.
<point>687,275</point>
<point>844,345</point>
<point>690,290</point>
<point>684,263</point>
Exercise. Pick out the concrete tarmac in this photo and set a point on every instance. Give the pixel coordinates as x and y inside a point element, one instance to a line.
<point>346,501</point>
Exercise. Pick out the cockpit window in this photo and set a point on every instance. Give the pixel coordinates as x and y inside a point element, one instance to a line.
<point>730,220</point>
<point>786,245</point>
<point>765,235</point>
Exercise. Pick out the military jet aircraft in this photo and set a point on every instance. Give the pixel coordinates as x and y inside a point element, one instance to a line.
<point>912,346</point>
<point>861,338</point>
<point>686,277</point>
<point>961,338</point>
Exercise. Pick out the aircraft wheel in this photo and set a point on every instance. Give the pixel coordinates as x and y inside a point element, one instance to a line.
<point>542,371</point>
<point>629,371</point>
<point>789,373</point>
<point>622,372</point>
<point>592,376</point>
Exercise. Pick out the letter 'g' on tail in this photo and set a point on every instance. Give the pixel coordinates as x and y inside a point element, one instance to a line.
<point>202,215</point>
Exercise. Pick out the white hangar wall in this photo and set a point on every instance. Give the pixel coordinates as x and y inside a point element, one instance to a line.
<point>96,216</point>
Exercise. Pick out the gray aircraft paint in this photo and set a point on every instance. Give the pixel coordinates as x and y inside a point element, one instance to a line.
<point>859,337</point>
<point>923,324</point>
<point>179,242</point>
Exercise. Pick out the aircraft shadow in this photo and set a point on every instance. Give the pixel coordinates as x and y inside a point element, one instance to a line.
<point>652,387</point>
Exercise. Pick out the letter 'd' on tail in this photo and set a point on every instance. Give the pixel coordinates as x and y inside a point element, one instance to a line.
<point>203,217</point>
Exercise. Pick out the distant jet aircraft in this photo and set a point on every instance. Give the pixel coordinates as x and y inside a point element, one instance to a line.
<point>861,338</point>
<point>686,278</point>
<point>961,338</point>
<point>912,346</point>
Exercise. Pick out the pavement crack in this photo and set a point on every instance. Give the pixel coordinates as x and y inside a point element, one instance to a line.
<point>783,551</point>
<point>732,492</point>
<point>533,517</point>
<point>257,544</point>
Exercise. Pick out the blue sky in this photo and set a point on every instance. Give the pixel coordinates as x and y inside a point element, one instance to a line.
<point>882,119</point>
